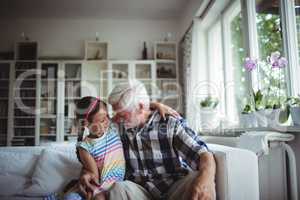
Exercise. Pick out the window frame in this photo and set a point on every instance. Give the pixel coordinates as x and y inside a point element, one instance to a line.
<point>290,46</point>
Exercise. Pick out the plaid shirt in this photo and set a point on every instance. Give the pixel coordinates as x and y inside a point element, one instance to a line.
<point>153,153</point>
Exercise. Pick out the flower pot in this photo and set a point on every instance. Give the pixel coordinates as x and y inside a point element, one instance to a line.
<point>295,113</point>
<point>273,117</point>
<point>248,120</point>
<point>262,120</point>
<point>209,119</point>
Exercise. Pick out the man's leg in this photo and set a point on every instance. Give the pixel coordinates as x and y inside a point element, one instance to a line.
<point>127,190</point>
<point>180,190</point>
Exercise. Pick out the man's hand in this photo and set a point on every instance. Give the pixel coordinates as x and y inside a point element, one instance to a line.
<point>203,187</point>
<point>88,182</point>
<point>203,190</point>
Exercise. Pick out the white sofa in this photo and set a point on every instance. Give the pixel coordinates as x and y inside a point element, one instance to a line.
<point>31,172</point>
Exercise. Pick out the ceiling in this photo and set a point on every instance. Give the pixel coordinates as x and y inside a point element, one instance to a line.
<point>111,9</point>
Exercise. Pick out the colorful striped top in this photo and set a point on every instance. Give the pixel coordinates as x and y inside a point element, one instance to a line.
<point>107,152</point>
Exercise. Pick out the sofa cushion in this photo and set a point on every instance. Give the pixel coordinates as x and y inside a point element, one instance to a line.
<point>11,184</point>
<point>18,163</point>
<point>53,170</point>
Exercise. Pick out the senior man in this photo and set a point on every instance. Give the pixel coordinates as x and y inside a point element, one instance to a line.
<point>159,153</point>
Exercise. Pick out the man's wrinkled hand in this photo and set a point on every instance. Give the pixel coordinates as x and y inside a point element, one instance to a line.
<point>203,190</point>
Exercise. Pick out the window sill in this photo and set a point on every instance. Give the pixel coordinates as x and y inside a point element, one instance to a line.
<point>234,132</point>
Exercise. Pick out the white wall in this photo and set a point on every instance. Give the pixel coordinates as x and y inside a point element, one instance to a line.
<point>65,37</point>
<point>191,10</point>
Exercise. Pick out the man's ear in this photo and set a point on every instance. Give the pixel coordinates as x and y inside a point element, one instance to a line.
<point>141,107</point>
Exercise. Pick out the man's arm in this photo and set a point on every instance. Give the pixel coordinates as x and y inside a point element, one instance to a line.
<point>196,153</point>
<point>203,186</point>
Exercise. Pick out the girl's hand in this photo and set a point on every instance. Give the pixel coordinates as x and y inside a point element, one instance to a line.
<point>164,110</point>
<point>88,182</point>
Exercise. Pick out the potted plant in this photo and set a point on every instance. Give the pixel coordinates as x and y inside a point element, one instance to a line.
<point>247,118</point>
<point>294,107</point>
<point>268,106</point>
<point>260,109</point>
<point>208,113</point>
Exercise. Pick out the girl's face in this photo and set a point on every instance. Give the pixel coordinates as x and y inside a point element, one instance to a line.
<point>100,123</point>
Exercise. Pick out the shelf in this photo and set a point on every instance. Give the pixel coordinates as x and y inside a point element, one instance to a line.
<point>24,126</point>
<point>20,61</point>
<point>48,98</point>
<point>163,61</point>
<point>48,79</point>
<point>73,79</point>
<point>20,89</point>
<point>74,135</point>
<point>59,58</point>
<point>29,79</point>
<point>48,116</point>
<point>47,135</point>
<point>25,136</point>
<point>25,117</point>
<point>25,98</point>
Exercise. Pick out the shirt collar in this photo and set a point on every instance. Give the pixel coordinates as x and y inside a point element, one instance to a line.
<point>153,117</point>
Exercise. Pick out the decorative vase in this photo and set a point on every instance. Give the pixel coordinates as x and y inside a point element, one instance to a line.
<point>209,118</point>
<point>295,113</point>
<point>262,120</point>
<point>248,120</point>
<point>273,117</point>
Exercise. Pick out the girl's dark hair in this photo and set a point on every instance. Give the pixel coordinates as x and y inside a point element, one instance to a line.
<point>86,108</point>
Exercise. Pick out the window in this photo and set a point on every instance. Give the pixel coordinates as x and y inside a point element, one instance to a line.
<point>257,29</point>
<point>269,31</point>
<point>297,11</point>
<point>234,52</point>
<point>215,62</point>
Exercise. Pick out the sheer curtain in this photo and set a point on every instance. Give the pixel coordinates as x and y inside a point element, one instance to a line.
<point>196,76</point>
<point>185,61</point>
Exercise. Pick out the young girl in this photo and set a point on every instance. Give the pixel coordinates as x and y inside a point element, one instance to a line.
<point>99,139</point>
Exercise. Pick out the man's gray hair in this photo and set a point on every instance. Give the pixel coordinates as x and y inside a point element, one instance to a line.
<point>128,95</point>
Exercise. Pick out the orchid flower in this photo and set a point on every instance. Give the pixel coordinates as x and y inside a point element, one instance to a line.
<point>250,64</point>
<point>277,61</point>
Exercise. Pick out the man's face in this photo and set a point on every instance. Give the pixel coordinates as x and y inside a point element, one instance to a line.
<point>129,118</point>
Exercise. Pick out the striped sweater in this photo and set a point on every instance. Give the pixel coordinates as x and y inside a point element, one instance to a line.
<point>107,152</point>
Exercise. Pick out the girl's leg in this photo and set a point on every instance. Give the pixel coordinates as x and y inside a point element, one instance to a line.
<point>73,196</point>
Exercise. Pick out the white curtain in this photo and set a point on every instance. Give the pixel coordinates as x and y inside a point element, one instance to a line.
<point>197,76</point>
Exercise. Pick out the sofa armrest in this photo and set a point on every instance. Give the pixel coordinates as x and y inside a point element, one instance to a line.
<point>237,173</point>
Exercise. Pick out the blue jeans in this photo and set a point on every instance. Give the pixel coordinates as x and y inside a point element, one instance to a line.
<point>73,196</point>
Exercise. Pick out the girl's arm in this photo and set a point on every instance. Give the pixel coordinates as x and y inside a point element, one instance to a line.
<point>164,109</point>
<point>88,162</point>
<point>89,176</point>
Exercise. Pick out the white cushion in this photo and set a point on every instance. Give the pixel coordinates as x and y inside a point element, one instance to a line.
<point>11,184</point>
<point>237,173</point>
<point>52,172</point>
<point>18,163</point>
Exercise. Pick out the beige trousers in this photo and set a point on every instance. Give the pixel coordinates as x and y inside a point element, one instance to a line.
<point>128,190</point>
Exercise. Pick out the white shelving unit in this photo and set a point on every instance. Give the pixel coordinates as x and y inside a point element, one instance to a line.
<point>47,118</point>
<point>51,92</point>
<point>4,101</point>
<point>166,59</point>
<point>95,50</point>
